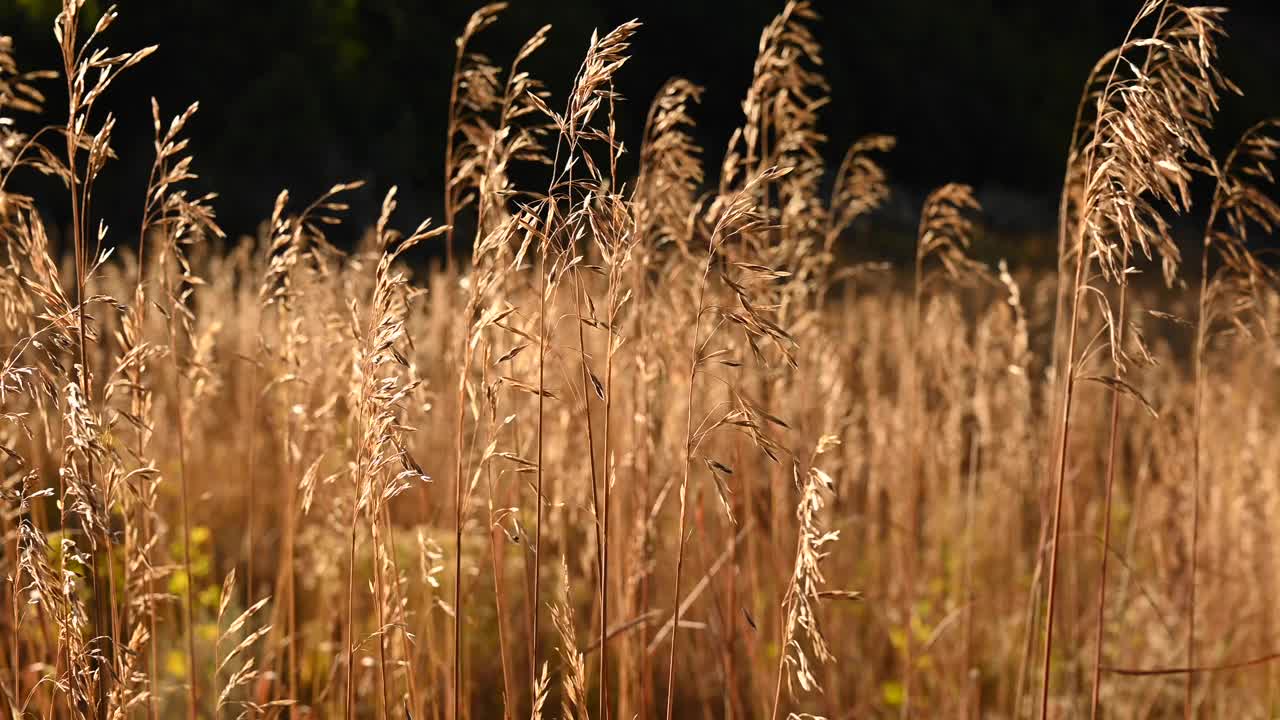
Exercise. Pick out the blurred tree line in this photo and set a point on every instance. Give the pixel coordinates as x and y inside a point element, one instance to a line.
<point>303,93</point>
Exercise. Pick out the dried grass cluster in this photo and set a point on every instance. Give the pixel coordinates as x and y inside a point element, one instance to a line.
<point>272,477</point>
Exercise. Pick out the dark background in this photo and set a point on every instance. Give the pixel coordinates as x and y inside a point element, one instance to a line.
<point>300,94</point>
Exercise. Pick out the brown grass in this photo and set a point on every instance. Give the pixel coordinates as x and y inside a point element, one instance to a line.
<point>270,477</point>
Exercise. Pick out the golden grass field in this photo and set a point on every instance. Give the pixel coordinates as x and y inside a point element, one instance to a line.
<point>644,446</point>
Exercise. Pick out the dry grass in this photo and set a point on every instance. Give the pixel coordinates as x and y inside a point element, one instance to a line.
<point>271,477</point>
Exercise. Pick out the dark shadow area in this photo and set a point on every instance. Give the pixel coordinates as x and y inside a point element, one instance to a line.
<point>300,94</point>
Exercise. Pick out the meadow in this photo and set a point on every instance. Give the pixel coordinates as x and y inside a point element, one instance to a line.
<point>643,445</point>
